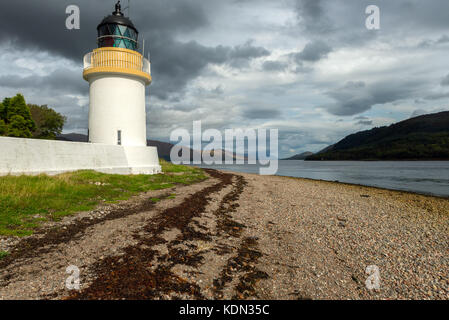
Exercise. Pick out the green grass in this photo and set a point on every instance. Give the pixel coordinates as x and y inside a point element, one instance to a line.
<point>3,254</point>
<point>27,201</point>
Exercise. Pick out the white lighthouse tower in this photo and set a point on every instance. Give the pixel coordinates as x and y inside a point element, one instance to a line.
<point>118,74</point>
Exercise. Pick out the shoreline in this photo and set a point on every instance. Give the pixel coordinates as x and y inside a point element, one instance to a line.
<point>374,187</point>
<point>428,194</point>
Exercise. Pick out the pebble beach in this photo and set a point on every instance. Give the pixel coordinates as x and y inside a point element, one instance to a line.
<point>241,236</point>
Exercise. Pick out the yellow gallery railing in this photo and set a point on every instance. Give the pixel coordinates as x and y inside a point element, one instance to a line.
<point>110,59</point>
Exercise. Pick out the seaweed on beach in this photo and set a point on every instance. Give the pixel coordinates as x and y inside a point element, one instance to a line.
<point>141,273</point>
<point>244,262</point>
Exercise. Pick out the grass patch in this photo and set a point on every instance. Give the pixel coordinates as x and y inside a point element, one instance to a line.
<point>3,254</point>
<point>26,201</point>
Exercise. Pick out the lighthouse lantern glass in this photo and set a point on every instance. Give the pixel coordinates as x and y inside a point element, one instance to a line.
<point>114,35</point>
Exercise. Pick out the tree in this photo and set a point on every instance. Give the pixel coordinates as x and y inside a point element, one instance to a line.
<point>16,118</point>
<point>18,106</point>
<point>19,127</point>
<point>49,123</point>
<point>4,109</point>
<point>3,127</point>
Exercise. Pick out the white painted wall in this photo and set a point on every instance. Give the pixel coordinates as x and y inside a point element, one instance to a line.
<point>117,102</point>
<point>34,156</point>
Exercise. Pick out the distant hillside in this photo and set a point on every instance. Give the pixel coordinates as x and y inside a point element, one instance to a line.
<point>163,148</point>
<point>421,138</point>
<point>72,137</point>
<point>300,156</point>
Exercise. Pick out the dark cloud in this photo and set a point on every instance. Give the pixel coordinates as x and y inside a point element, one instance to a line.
<point>354,85</point>
<point>61,80</point>
<point>312,16</point>
<point>431,43</point>
<point>208,93</point>
<point>341,23</point>
<point>339,17</point>
<point>313,51</point>
<point>272,65</point>
<point>437,96</point>
<point>174,63</point>
<point>445,81</point>
<point>357,97</point>
<point>443,39</point>
<point>240,56</point>
<point>261,113</point>
<point>41,25</point>
<point>183,62</point>
<point>365,122</point>
<point>218,90</point>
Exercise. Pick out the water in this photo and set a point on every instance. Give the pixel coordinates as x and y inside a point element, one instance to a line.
<point>426,177</point>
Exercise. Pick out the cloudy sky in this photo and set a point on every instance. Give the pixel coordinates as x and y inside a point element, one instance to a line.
<point>309,68</point>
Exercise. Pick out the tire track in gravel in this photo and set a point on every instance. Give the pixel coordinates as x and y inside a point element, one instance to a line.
<point>148,270</point>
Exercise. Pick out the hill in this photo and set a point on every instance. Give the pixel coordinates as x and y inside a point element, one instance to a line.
<point>421,138</point>
<point>163,148</point>
<point>300,156</point>
<point>77,137</point>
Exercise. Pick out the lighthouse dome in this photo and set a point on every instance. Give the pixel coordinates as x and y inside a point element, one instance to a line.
<point>118,31</point>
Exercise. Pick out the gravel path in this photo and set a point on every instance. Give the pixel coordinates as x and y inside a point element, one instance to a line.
<point>241,236</point>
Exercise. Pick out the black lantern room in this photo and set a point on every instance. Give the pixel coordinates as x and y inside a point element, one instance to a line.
<point>118,31</point>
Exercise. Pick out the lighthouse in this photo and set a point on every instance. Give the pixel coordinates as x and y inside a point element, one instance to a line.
<point>118,74</point>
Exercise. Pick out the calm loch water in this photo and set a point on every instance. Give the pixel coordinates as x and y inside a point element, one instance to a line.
<point>427,177</point>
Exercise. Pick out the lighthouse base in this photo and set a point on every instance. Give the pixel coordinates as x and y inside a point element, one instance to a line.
<point>33,156</point>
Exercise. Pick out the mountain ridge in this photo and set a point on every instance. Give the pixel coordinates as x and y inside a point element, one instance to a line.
<point>423,137</point>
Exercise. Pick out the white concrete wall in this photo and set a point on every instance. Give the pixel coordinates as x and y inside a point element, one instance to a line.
<point>34,156</point>
<point>117,102</point>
